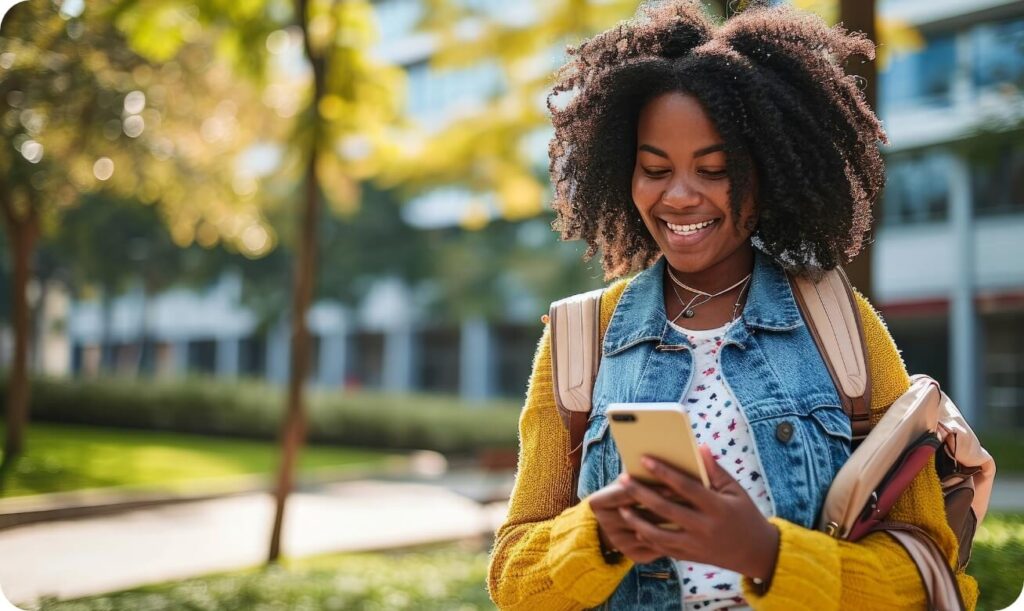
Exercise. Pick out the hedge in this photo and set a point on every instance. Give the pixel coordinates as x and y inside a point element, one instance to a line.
<point>250,409</point>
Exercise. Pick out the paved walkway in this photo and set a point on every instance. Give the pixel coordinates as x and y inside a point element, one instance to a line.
<point>80,557</point>
<point>1007,494</point>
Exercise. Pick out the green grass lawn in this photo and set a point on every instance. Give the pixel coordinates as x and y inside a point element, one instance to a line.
<point>65,457</point>
<point>997,560</point>
<point>450,577</point>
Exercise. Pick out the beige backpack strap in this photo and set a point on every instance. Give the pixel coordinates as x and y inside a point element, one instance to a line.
<point>938,579</point>
<point>833,317</point>
<point>575,357</point>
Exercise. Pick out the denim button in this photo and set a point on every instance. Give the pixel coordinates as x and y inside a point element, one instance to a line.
<point>784,432</point>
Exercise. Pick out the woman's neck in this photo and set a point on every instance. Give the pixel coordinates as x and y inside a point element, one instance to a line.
<point>710,313</point>
<point>721,275</point>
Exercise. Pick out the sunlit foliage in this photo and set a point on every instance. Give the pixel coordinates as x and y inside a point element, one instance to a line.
<point>84,112</point>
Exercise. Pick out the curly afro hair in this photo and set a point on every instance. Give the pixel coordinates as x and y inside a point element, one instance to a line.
<point>772,83</point>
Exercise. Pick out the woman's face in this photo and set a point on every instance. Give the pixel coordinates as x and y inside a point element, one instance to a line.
<point>681,188</point>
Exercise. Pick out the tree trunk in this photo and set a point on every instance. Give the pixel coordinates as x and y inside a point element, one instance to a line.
<point>22,234</point>
<point>859,15</point>
<point>294,431</point>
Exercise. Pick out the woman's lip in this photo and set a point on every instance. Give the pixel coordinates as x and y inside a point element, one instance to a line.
<point>681,241</point>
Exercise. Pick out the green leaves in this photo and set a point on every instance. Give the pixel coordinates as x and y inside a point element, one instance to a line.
<point>157,31</point>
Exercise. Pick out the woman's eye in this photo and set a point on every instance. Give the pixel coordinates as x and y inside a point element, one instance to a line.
<point>654,173</point>
<point>713,173</point>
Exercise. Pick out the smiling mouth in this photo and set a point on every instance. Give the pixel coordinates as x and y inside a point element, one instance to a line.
<point>689,229</point>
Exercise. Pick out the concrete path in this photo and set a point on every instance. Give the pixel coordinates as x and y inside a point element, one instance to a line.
<point>1007,494</point>
<point>73,558</point>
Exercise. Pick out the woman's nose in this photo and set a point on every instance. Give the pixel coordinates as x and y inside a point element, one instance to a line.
<point>680,193</point>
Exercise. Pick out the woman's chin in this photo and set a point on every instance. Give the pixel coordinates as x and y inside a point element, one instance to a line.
<point>687,263</point>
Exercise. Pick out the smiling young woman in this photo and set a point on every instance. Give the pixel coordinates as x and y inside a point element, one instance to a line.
<point>680,188</point>
<point>711,161</point>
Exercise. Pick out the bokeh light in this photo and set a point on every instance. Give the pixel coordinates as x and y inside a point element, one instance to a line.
<point>103,169</point>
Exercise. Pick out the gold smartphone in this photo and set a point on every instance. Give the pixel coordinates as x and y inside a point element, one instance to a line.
<point>661,430</point>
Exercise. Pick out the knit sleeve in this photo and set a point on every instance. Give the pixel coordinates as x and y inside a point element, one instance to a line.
<point>546,555</point>
<point>815,571</point>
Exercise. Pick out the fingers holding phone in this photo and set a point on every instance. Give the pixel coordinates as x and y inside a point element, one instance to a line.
<point>662,431</point>
<point>643,430</point>
<point>613,529</point>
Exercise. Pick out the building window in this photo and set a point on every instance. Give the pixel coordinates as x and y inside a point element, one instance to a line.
<point>998,52</point>
<point>1004,370</point>
<point>252,356</point>
<point>440,360</point>
<point>998,182</point>
<point>922,78</point>
<point>77,358</point>
<point>202,356</point>
<point>923,340</point>
<point>917,188</point>
<point>514,348</point>
<point>366,367</point>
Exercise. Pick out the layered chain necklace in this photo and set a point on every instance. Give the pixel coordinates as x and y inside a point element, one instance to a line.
<point>704,297</point>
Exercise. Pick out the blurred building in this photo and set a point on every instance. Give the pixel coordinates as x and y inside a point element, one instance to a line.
<point>949,253</point>
<point>385,343</point>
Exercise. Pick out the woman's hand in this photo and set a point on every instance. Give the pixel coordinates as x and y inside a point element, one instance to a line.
<point>719,526</point>
<point>613,529</point>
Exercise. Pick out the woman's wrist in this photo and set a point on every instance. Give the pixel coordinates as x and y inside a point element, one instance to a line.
<point>764,558</point>
<point>608,552</point>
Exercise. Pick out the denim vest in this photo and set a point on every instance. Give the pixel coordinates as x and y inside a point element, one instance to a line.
<point>771,363</point>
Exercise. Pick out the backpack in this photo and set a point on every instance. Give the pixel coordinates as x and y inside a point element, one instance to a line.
<point>964,468</point>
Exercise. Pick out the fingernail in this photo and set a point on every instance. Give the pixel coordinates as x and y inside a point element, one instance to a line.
<point>649,463</point>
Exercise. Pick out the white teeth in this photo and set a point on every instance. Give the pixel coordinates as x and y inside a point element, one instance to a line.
<point>689,229</point>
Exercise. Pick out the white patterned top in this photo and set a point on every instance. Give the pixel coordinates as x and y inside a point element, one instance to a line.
<point>718,422</point>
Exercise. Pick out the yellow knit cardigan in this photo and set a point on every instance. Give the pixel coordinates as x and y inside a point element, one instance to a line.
<point>546,555</point>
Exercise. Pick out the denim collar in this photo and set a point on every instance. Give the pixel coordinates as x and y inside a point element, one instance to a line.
<point>640,313</point>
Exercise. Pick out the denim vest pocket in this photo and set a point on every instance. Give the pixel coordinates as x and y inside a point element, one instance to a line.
<point>593,462</point>
<point>833,420</point>
<point>659,587</point>
<point>801,448</point>
<point>662,569</point>
<point>836,425</point>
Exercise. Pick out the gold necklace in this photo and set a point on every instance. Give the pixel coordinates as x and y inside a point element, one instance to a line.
<point>687,311</point>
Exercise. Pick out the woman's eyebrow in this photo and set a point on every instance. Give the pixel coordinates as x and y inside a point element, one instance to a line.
<point>652,149</point>
<point>714,148</point>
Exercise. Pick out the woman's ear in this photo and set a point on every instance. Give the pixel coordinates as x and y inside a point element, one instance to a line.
<point>751,221</point>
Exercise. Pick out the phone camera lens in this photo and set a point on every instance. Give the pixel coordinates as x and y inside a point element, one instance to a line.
<point>624,417</point>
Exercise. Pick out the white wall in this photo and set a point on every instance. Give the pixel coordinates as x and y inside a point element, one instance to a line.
<point>918,262</point>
